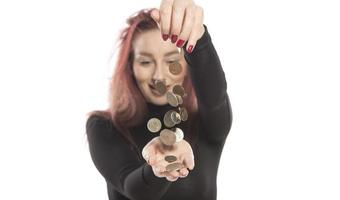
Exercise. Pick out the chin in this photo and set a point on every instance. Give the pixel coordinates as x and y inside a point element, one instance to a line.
<point>158,101</point>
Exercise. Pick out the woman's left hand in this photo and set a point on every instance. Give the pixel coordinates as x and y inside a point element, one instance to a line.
<point>181,21</point>
<point>154,154</point>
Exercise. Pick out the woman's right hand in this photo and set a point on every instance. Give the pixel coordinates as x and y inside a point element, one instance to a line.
<point>154,153</point>
<point>181,21</point>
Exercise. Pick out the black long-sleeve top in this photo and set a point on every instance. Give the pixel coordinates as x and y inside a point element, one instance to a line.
<point>129,178</point>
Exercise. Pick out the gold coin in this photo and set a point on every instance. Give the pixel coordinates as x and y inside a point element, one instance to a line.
<point>170,158</point>
<point>175,117</point>
<point>184,114</point>
<point>179,90</point>
<point>172,99</point>
<point>179,134</point>
<point>154,125</point>
<point>175,68</point>
<point>167,119</point>
<point>167,137</point>
<point>174,166</point>
<point>160,87</point>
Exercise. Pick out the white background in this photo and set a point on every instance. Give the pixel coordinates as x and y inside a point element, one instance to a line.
<point>281,61</point>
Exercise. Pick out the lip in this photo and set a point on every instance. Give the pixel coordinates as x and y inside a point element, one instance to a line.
<point>155,92</point>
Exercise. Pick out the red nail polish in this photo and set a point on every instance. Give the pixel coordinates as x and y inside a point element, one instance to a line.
<point>174,38</point>
<point>190,49</point>
<point>165,37</point>
<point>180,43</point>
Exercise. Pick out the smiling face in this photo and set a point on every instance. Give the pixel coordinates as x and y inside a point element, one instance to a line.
<point>151,60</point>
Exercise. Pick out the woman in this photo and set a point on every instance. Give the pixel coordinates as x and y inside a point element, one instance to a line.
<point>122,148</point>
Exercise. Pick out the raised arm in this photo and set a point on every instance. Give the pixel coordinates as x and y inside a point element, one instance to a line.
<point>118,164</point>
<point>211,89</point>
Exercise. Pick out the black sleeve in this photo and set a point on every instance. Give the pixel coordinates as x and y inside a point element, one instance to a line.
<point>209,81</point>
<point>118,164</point>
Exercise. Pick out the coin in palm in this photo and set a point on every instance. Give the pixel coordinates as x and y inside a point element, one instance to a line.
<point>170,158</point>
<point>174,166</point>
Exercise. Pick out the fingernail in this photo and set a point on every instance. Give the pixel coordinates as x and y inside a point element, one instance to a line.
<point>165,37</point>
<point>183,176</point>
<point>190,48</point>
<point>180,43</point>
<point>174,38</point>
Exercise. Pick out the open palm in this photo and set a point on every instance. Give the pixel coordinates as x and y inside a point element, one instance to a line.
<point>155,152</point>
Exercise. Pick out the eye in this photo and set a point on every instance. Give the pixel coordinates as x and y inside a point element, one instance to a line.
<point>144,63</point>
<point>171,61</point>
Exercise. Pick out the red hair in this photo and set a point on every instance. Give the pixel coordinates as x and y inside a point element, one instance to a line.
<point>127,105</point>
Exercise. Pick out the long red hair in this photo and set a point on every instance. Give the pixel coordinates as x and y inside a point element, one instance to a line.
<point>127,105</point>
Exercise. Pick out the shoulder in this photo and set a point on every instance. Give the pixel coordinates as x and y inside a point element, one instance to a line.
<point>99,125</point>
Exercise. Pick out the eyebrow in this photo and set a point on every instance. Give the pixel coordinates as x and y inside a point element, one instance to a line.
<point>171,53</point>
<point>143,53</point>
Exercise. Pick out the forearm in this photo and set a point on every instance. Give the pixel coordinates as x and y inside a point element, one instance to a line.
<point>210,85</point>
<point>142,184</point>
<point>119,166</point>
<point>207,73</point>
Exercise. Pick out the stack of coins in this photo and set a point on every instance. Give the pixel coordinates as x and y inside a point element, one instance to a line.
<point>171,134</point>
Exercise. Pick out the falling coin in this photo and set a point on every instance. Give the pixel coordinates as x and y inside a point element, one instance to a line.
<point>160,87</point>
<point>179,134</point>
<point>167,137</point>
<point>179,90</point>
<point>170,158</point>
<point>172,99</point>
<point>184,114</point>
<point>175,117</point>
<point>175,68</point>
<point>167,119</point>
<point>154,125</point>
<point>179,99</point>
<point>174,166</point>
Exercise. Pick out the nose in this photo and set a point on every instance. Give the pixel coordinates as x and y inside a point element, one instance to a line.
<point>159,73</point>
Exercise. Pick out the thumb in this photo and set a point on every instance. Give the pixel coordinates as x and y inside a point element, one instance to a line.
<point>149,155</point>
<point>152,156</point>
<point>189,161</point>
<point>155,15</point>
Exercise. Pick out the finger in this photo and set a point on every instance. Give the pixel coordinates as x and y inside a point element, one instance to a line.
<point>154,151</point>
<point>155,15</point>
<point>157,172</point>
<point>183,172</point>
<point>197,30</point>
<point>151,156</point>
<point>188,23</point>
<point>170,177</point>
<point>149,149</point>
<point>174,173</point>
<point>160,167</point>
<point>145,153</point>
<point>177,16</point>
<point>189,161</point>
<point>165,12</point>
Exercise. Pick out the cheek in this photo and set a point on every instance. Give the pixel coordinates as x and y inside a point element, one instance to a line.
<point>141,74</point>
